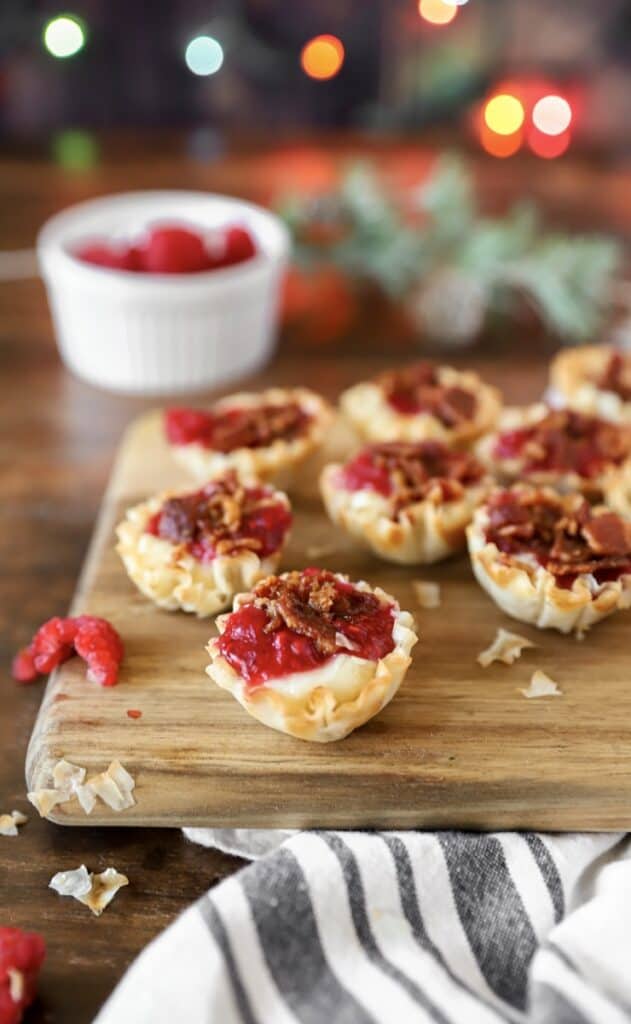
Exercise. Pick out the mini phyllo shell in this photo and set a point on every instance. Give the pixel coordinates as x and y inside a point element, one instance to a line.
<point>422,401</point>
<point>549,559</point>
<point>264,436</point>
<point>196,550</point>
<point>560,448</point>
<point>311,654</point>
<point>409,502</point>
<point>594,379</point>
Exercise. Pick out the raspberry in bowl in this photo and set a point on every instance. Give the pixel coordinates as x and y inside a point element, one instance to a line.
<point>163,292</point>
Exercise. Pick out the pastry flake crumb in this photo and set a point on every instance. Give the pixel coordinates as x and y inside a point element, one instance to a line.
<point>541,686</point>
<point>506,647</point>
<point>67,777</point>
<point>113,786</point>
<point>318,551</point>
<point>44,800</point>
<point>75,883</point>
<point>427,594</point>
<point>95,891</point>
<point>86,797</point>
<point>104,889</point>
<point>9,823</point>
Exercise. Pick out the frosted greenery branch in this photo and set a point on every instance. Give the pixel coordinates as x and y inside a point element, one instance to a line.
<point>451,265</point>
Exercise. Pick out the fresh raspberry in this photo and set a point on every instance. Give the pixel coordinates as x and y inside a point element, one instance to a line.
<point>21,957</point>
<point>102,254</point>
<point>52,644</point>
<point>101,648</point>
<point>174,250</point>
<point>183,426</point>
<point>238,246</point>
<point>92,638</point>
<point>23,667</point>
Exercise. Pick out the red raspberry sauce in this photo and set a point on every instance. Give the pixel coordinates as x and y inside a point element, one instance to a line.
<point>267,524</point>
<point>259,656</point>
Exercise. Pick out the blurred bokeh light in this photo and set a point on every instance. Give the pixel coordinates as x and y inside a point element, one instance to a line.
<point>322,57</point>
<point>64,36</point>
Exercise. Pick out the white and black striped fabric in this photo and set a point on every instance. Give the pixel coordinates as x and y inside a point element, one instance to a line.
<point>396,928</point>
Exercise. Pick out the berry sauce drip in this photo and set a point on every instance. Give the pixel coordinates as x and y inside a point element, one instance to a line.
<point>562,533</point>
<point>566,441</point>
<point>299,621</point>
<point>412,472</point>
<point>616,376</point>
<point>222,518</point>
<point>239,427</point>
<point>418,389</point>
<point>171,249</point>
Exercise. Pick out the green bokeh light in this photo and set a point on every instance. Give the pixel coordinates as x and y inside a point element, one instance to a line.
<point>75,150</point>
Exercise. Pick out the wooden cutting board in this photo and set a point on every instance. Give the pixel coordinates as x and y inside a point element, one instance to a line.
<point>459,746</point>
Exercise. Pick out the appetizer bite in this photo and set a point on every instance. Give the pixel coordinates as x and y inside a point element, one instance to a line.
<point>409,503</point>
<point>311,654</point>
<point>196,550</point>
<point>266,435</point>
<point>551,559</point>
<point>595,379</point>
<point>422,401</point>
<point>561,448</point>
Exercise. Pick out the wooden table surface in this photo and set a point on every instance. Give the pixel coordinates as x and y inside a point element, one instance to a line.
<point>57,438</point>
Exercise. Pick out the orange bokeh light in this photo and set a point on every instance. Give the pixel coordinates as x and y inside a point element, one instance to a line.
<point>322,57</point>
<point>437,12</point>
<point>500,145</point>
<point>548,146</point>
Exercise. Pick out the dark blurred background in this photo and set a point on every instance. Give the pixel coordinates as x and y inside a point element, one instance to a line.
<point>259,68</point>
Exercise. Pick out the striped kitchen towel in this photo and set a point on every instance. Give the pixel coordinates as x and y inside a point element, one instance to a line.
<point>396,928</point>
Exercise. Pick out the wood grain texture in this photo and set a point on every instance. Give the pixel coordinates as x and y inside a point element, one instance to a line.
<point>458,747</point>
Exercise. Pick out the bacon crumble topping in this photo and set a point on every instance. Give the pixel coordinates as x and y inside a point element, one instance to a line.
<point>418,388</point>
<point>225,430</point>
<point>413,472</point>
<point>616,376</point>
<point>564,534</point>
<point>565,440</point>
<point>312,604</point>
<point>222,517</point>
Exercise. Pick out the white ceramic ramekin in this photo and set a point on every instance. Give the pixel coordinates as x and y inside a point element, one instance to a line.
<point>159,333</point>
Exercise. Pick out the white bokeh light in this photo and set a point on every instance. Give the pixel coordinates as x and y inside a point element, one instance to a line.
<point>204,55</point>
<point>552,115</point>
<point>64,36</point>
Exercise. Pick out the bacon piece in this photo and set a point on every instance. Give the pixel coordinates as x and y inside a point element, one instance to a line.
<point>567,441</point>
<point>413,472</point>
<point>608,534</point>
<point>216,518</point>
<point>311,603</point>
<point>562,532</point>
<point>257,426</point>
<point>417,388</point>
<point>616,376</point>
